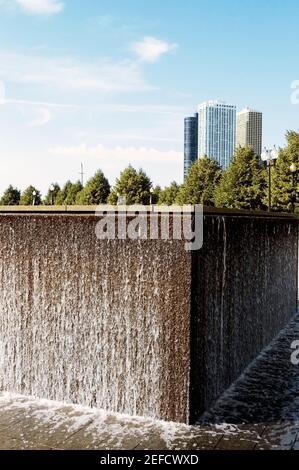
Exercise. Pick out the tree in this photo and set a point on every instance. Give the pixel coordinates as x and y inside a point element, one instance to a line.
<point>134,185</point>
<point>11,197</point>
<point>169,195</point>
<point>31,196</point>
<point>69,193</point>
<point>62,194</point>
<point>243,185</point>
<point>72,193</point>
<point>156,194</point>
<point>52,194</point>
<point>200,183</point>
<point>283,191</point>
<point>96,190</point>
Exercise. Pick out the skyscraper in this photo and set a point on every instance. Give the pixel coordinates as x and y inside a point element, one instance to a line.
<point>250,130</point>
<point>191,143</point>
<point>217,131</point>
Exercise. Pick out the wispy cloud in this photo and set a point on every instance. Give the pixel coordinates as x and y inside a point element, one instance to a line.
<point>41,7</point>
<point>45,104</point>
<point>151,49</point>
<point>69,74</point>
<point>119,24</point>
<point>105,21</point>
<point>107,108</point>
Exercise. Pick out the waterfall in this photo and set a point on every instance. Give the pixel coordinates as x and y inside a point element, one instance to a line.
<point>102,324</point>
<point>223,289</point>
<point>141,327</point>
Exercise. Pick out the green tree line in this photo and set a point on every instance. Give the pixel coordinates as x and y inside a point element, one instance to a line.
<point>244,185</point>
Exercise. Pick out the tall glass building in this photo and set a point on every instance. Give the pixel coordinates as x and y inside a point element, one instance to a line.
<point>190,143</point>
<point>217,131</point>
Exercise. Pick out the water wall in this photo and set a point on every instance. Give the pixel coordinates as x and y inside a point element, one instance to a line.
<point>244,291</point>
<point>141,327</point>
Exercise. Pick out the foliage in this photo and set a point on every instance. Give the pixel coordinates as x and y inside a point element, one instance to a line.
<point>156,191</point>
<point>96,190</point>
<point>11,197</point>
<point>169,195</point>
<point>133,185</point>
<point>67,196</point>
<point>284,194</point>
<point>200,183</point>
<point>31,196</point>
<point>243,185</point>
<point>52,194</point>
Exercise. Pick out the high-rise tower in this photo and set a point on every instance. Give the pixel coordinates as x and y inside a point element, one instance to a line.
<point>217,131</point>
<point>250,130</point>
<point>191,143</point>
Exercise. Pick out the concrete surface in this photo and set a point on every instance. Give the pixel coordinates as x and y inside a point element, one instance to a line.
<point>29,424</point>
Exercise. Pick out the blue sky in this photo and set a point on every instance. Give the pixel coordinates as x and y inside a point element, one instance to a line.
<point>108,83</point>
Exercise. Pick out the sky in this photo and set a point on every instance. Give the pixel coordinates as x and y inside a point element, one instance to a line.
<point>108,83</point>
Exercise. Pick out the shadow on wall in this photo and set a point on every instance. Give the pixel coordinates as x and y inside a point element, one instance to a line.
<point>268,391</point>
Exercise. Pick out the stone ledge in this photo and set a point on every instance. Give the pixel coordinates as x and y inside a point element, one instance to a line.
<point>142,209</point>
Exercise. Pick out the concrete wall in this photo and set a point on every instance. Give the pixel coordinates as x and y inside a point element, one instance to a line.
<point>139,327</point>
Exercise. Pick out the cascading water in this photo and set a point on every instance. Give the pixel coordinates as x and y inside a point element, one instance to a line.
<point>140,327</point>
<point>103,324</point>
<point>245,286</point>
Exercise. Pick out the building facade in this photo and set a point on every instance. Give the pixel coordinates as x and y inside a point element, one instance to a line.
<point>217,131</point>
<point>250,130</point>
<point>190,143</point>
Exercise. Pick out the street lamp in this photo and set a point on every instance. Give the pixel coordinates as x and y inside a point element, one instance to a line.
<point>152,191</point>
<point>294,170</point>
<point>34,197</point>
<point>52,189</point>
<point>270,157</point>
<point>121,200</point>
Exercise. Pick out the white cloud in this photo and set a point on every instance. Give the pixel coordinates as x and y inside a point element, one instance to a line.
<point>105,21</point>
<point>142,136</point>
<point>151,49</point>
<point>121,155</point>
<point>44,115</point>
<point>69,74</point>
<point>41,7</point>
<point>163,166</point>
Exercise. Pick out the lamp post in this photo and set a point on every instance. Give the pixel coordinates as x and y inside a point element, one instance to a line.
<point>270,156</point>
<point>52,189</point>
<point>294,170</point>
<point>121,200</point>
<point>151,196</point>
<point>34,197</point>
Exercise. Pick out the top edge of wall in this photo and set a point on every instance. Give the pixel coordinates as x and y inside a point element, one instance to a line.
<point>97,210</point>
